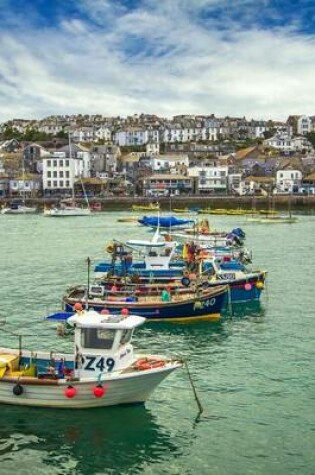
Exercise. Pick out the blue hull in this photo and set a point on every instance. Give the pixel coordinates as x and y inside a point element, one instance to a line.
<point>244,290</point>
<point>204,308</point>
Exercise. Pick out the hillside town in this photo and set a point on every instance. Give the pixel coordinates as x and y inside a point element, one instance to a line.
<point>145,155</point>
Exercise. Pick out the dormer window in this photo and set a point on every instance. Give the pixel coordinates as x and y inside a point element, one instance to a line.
<point>98,339</point>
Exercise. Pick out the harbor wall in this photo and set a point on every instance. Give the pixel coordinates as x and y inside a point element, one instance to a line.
<point>278,202</point>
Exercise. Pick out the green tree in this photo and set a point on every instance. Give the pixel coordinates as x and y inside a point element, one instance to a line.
<point>311,138</point>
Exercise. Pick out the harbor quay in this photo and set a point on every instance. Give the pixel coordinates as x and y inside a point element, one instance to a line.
<point>110,203</point>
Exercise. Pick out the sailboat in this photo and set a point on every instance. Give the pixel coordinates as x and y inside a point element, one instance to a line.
<point>18,206</point>
<point>68,206</point>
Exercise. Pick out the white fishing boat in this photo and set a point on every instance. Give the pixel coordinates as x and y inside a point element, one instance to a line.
<point>103,369</point>
<point>18,208</point>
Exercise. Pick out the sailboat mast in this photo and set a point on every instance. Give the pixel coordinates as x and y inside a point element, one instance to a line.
<point>70,156</point>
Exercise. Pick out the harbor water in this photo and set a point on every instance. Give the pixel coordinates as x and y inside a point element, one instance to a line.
<point>253,371</point>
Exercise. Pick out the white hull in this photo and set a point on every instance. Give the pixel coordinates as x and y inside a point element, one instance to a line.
<point>19,210</point>
<point>126,388</point>
<point>61,213</point>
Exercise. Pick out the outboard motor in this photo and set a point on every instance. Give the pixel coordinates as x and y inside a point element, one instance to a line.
<point>238,232</point>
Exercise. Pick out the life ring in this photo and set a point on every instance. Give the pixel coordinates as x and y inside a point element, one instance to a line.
<point>185,281</point>
<point>147,363</point>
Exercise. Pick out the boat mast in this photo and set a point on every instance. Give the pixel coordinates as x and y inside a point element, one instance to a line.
<point>70,156</point>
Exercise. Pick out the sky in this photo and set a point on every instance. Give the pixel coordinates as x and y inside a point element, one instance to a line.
<point>252,58</point>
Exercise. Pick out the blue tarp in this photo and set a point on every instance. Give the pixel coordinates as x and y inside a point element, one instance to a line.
<point>61,316</point>
<point>164,221</point>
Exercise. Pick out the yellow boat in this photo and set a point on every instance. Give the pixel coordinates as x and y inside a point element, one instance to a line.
<point>149,207</point>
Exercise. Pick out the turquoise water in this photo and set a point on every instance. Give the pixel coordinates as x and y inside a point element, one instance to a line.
<point>254,371</point>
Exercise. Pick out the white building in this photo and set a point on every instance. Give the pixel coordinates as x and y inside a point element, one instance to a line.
<point>304,125</point>
<point>176,133</point>
<point>152,148</point>
<point>169,162</point>
<point>103,133</point>
<point>60,173</point>
<point>83,134</point>
<point>288,144</point>
<point>288,181</point>
<point>210,179</point>
<point>50,128</point>
<point>131,136</point>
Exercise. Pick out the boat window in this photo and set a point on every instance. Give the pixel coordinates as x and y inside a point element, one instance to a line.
<point>97,338</point>
<point>125,336</point>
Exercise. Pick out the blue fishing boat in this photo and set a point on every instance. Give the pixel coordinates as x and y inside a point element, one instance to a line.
<point>165,222</point>
<point>194,305</point>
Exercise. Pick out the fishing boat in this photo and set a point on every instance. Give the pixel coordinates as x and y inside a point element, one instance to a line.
<point>245,285</point>
<point>204,236</point>
<point>165,222</point>
<point>103,369</point>
<point>18,208</point>
<point>186,210</point>
<point>195,305</point>
<point>273,219</point>
<point>155,258</point>
<point>148,207</point>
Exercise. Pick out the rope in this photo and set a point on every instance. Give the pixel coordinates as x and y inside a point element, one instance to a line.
<point>200,408</point>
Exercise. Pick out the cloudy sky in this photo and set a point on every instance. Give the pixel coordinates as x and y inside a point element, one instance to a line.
<point>120,57</point>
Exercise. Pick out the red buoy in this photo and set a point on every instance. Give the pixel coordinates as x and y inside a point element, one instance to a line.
<point>104,311</point>
<point>70,392</point>
<point>78,307</point>
<point>248,286</point>
<point>125,312</point>
<point>98,391</point>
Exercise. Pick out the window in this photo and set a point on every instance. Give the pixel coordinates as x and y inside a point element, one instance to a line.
<point>67,163</point>
<point>55,184</point>
<point>125,337</point>
<point>48,184</point>
<point>97,338</point>
<point>61,174</point>
<point>55,175</point>
<point>48,163</point>
<point>61,184</point>
<point>55,163</point>
<point>49,174</point>
<point>67,184</point>
<point>61,163</point>
<point>67,174</point>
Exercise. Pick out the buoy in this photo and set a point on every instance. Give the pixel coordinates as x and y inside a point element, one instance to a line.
<point>104,311</point>
<point>98,391</point>
<point>78,307</point>
<point>70,392</point>
<point>185,281</point>
<point>17,390</point>
<point>248,286</point>
<point>110,248</point>
<point>125,312</point>
<point>260,284</point>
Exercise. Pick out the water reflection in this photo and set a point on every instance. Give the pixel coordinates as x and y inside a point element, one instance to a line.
<point>184,338</point>
<point>246,310</point>
<point>93,441</point>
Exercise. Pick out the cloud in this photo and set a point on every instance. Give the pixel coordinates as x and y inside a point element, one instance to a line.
<point>168,58</point>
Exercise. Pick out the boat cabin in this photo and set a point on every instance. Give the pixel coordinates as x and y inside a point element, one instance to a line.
<point>102,341</point>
